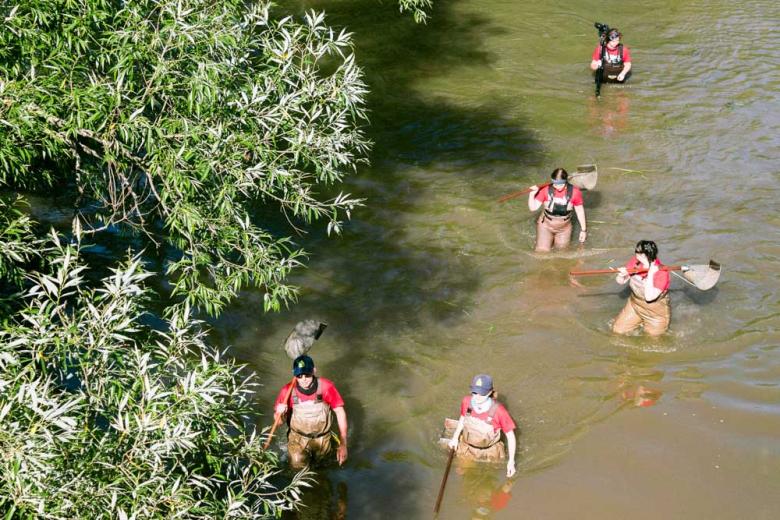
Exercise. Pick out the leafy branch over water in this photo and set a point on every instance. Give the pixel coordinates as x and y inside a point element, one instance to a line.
<point>174,118</point>
<point>104,417</point>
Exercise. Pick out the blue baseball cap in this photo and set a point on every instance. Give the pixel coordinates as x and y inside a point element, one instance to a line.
<point>482,384</point>
<point>303,365</point>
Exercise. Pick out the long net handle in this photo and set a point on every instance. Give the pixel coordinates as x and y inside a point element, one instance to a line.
<point>522,192</point>
<point>516,194</point>
<point>444,482</point>
<point>278,418</point>
<point>613,270</point>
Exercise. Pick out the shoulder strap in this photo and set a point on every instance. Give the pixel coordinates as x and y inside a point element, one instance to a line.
<point>620,51</point>
<point>493,410</point>
<point>319,393</point>
<point>550,196</point>
<point>569,192</point>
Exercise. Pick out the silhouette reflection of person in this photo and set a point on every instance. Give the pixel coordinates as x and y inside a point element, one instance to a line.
<point>319,502</point>
<point>484,492</point>
<point>610,116</point>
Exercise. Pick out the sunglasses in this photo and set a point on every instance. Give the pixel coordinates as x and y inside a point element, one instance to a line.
<point>613,37</point>
<point>301,376</point>
<point>558,182</point>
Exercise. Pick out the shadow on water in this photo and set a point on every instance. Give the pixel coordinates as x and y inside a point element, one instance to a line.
<point>379,277</point>
<point>387,276</point>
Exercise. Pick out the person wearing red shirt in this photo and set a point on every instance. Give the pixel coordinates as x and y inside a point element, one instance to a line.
<point>482,419</point>
<point>311,401</point>
<point>614,57</point>
<point>560,200</point>
<point>649,303</point>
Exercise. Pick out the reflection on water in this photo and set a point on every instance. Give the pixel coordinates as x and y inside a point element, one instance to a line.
<point>324,500</point>
<point>484,493</point>
<point>609,115</point>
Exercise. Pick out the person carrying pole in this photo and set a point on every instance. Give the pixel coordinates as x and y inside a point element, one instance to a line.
<point>482,419</point>
<point>649,303</point>
<point>611,59</point>
<point>311,400</point>
<point>561,200</point>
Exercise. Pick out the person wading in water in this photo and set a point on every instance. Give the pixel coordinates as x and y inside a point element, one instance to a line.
<point>311,401</point>
<point>614,56</point>
<point>560,199</point>
<point>648,304</point>
<point>482,419</point>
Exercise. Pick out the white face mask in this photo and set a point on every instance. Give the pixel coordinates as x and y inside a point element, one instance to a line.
<point>481,403</point>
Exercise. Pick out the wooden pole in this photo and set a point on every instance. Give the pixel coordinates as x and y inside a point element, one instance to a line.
<point>444,482</point>
<point>522,192</point>
<point>613,270</point>
<point>278,418</point>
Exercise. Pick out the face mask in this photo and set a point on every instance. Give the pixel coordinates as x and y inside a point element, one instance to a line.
<point>481,403</point>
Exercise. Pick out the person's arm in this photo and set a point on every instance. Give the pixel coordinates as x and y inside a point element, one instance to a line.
<point>280,406</point>
<point>341,418</point>
<point>622,276</point>
<point>456,436</point>
<point>580,211</point>
<point>533,204</point>
<point>625,71</point>
<point>511,447</point>
<point>651,291</point>
<point>595,60</point>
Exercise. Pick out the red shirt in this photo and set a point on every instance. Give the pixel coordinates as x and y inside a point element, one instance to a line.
<point>501,419</point>
<point>662,280</point>
<point>612,52</point>
<point>329,394</point>
<point>560,196</point>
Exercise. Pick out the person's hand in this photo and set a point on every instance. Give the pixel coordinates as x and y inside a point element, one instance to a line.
<point>510,468</point>
<point>280,409</point>
<point>621,76</point>
<point>623,272</point>
<point>652,269</point>
<point>583,235</point>
<point>341,453</point>
<point>453,444</point>
<point>533,189</point>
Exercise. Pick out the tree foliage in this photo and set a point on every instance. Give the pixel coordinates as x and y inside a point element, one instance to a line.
<point>175,118</point>
<point>17,241</point>
<point>418,8</point>
<point>103,417</point>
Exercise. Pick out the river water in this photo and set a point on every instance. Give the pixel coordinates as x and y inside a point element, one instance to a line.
<point>434,281</point>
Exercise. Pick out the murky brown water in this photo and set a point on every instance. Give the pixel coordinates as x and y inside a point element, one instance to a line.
<point>433,281</point>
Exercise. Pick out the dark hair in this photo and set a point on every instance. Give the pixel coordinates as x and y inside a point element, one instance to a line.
<point>559,173</point>
<point>647,248</point>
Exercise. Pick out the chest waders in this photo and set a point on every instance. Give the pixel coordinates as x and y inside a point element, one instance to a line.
<point>309,438</point>
<point>654,316</point>
<point>481,442</point>
<point>310,418</point>
<point>480,433</point>
<point>611,66</point>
